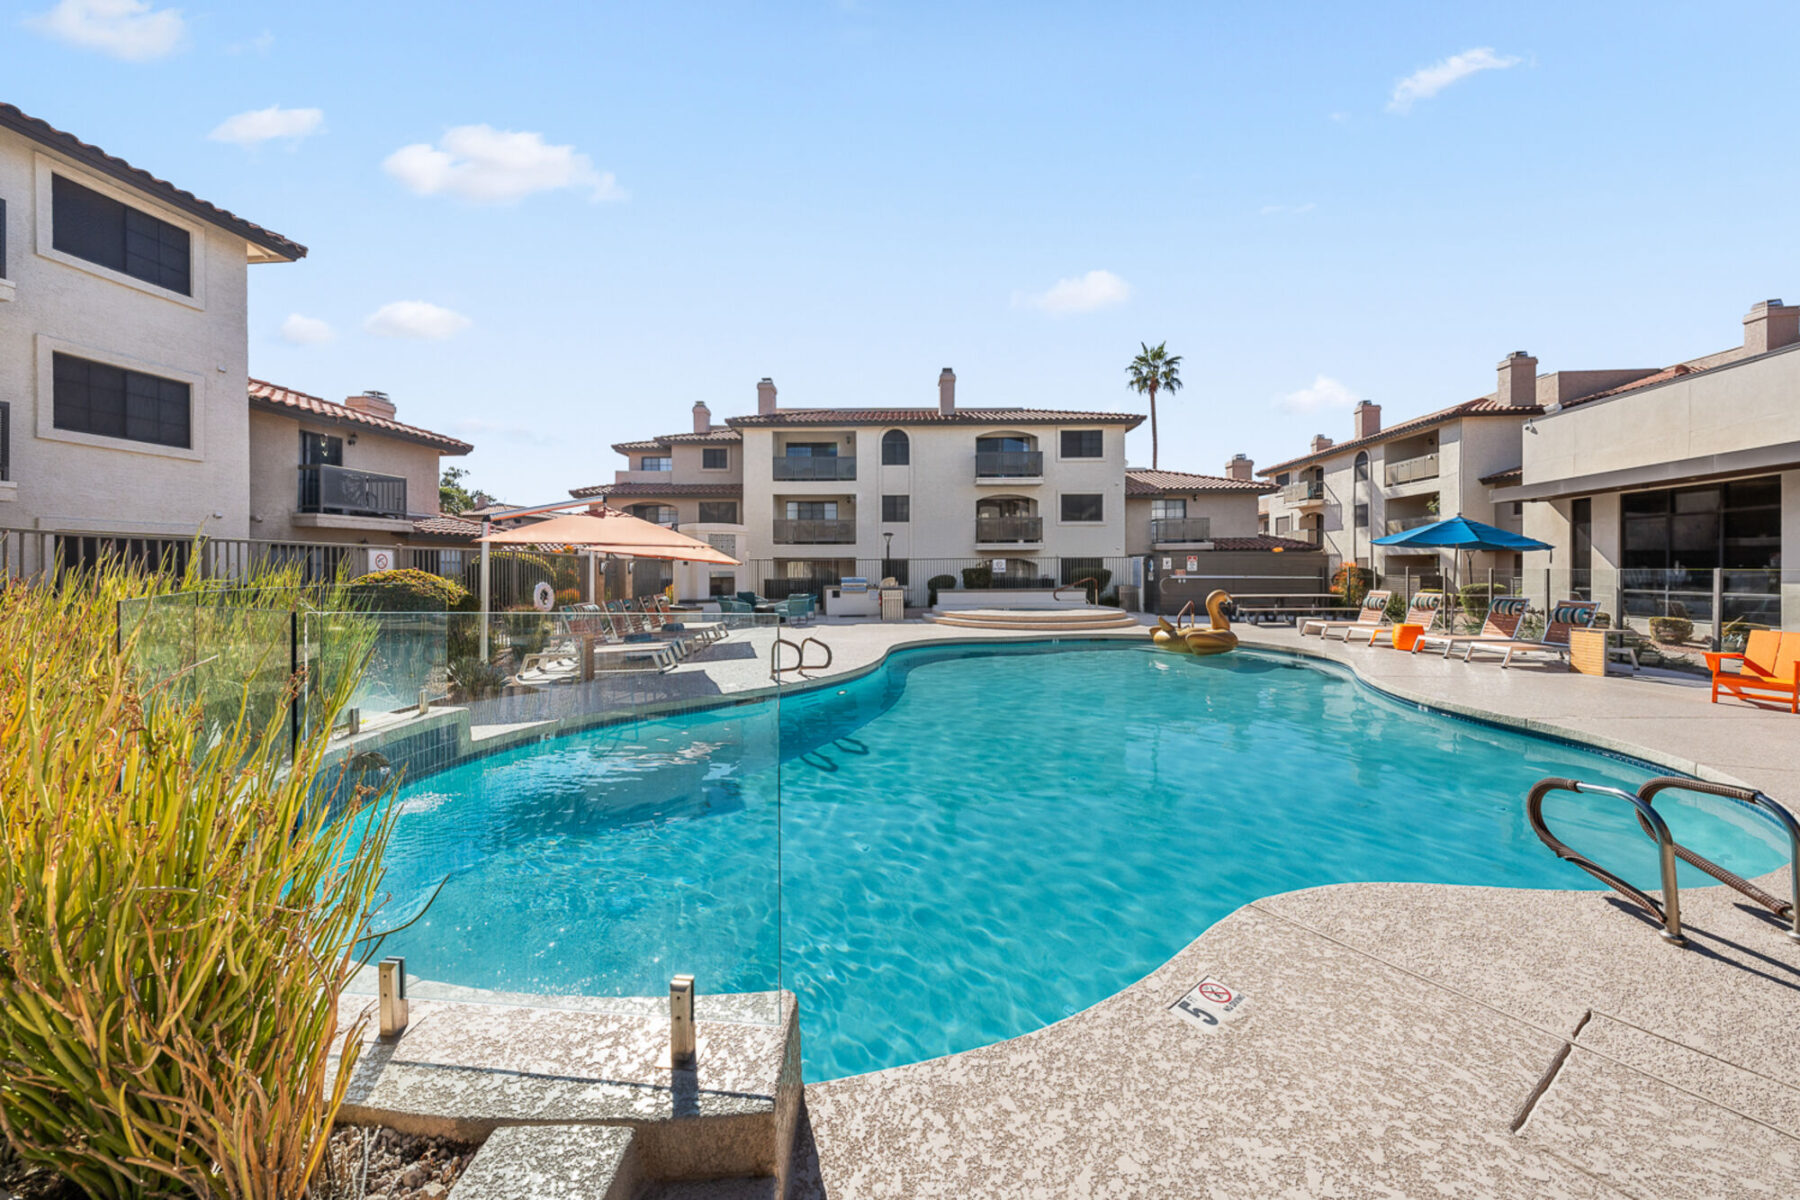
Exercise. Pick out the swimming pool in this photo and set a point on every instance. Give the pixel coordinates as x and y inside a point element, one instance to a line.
<point>974,841</point>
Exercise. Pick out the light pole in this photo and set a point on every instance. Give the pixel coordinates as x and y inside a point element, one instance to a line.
<point>887,554</point>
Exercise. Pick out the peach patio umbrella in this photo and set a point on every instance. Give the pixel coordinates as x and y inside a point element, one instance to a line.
<point>608,531</point>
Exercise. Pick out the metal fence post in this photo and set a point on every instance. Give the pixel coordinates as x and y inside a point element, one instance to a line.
<point>1718,609</point>
<point>681,1022</point>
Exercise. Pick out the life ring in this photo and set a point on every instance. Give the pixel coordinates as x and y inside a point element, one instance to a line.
<point>544,596</point>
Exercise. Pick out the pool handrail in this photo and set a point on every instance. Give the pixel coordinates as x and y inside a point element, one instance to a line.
<point>1667,913</point>
<point>1754,799</point>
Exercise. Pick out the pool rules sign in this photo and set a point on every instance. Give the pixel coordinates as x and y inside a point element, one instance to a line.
<point>1209,1005</point>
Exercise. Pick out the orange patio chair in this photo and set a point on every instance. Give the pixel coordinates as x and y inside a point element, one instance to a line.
<point>1768,669</point>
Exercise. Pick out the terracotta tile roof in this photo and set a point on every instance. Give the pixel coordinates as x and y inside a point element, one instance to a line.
<point>1262,541</point>
<point>103,163</point>
<point>445,525</point>
<point>1662,376</point>
<point>1139,482</point>
<point>932,416</point>
<point>285,401</point>
<point>714,437</point>
<point>625,490</point>
<point>1483,406</point>
<point>1510,475</point>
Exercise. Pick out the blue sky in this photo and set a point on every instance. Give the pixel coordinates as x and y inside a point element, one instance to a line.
<point>850,196</point>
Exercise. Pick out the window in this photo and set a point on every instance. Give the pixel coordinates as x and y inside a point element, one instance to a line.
<point>896,448</point>
<point>1003,445</point>
<point>2,239</point>
<point>656,514</point>
<point>5,441</point>
<point>721,585</point>
<point>91,397</point>
<point>1282,479</point>
<point>656,462</point>
<point>1362,516</point>
<point>1083,443</point>
<point>812,449</point>
<point>715,459</point>
<point>1281,526</point>
<point>321,450</point>
<point>1518,508</point>
<point>1083,507</point>
<point>1362,466</point>
<point>101,230</point>
<point>719,512</point>
<point>1168,510</point>
<point>812,510</point>
<point>896,508</point>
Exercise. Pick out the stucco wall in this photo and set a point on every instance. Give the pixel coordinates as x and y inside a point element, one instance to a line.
<point>274,477</point>
<point>1233,514</point>
<point>79,482</point>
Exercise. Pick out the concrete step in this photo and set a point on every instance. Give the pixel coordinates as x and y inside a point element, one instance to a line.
<point>1044,619</point>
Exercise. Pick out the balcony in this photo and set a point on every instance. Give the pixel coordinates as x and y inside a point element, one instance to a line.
<point>814,532</point>
<point>1009,464</point>
<point>801,468</point>
<point>1178,530</point>
<point>345,492</point>
<point>1402,524</point>
<point>1001,531</point>
<point>1305,492</point>
<point>1407,470</point>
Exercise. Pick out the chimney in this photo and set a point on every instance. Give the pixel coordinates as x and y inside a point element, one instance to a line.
<point>765,396</point>
<point>1770,326</point>
<point>702,417</point>
<point>946,390</point>
<point>1366,419</point>
<point>375,403</point>
<point>1240,467</point>
<point>1320,442</point>
<point>1518,380</point>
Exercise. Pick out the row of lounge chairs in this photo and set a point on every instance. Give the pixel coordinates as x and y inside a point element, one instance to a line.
<point>1499,632</point>
<point>626,635</point>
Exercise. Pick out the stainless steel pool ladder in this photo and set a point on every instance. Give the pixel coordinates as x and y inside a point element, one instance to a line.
<point>1668,912</point>
<point>776,670</point>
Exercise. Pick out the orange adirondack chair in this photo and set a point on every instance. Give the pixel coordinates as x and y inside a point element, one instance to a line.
<point>1768,669</point>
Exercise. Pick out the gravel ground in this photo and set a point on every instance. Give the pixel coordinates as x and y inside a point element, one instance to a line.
<point>378,1164</point>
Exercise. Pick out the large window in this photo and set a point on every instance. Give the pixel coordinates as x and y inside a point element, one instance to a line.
<point>656,462</point>
<point>1734,525</point>
<point>812,510</point>
<point>715,458</point>
<point>1174,509</point>
<point>101,230</point>
<point>656,514</point>
<point>896,448</point>
<point>896,508</point>
<point>1083,443</point>
<point>91,397</point>
<point>812,450</point>
<point>719,512</point>
<point>1078,506</point>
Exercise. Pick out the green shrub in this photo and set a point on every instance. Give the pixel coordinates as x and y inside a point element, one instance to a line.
<point>181,915</point>
<point>1671,631</point>
<point>472,679</point>
<point>527,630</point>
<point>1396,607</point>
<point>405,591</point>
<point>978,577</point>
<point>940,583</point>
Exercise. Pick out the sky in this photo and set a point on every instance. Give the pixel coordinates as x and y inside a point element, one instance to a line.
<point>547,227</point>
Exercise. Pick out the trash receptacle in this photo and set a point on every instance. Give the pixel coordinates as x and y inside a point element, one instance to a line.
<point>1129,599</point>
<point>893,604</point>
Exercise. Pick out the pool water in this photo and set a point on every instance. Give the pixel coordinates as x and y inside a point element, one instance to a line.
<point>971,843</point>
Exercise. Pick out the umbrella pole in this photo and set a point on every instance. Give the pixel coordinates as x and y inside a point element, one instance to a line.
<point>486,528</point>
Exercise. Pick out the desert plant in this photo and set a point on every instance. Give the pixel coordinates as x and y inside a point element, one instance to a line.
<point>472,679</point>
<point>182,912</point>
<point>1671,631</point>
<point>527,629</point>
<point>405,591</point>
<point>940,583</point>
<point>1154,370</point>
<point>1352,583</point>
<point>568,596</point>
<point>1396,607</point>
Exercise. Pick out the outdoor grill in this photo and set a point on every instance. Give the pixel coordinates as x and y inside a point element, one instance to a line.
<point>853,585</point>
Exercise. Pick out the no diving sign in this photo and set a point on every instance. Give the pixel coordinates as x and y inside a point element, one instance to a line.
<point>1210,1004</point>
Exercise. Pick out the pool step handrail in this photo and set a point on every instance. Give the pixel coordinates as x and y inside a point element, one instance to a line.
<point>776,670</point>
<point>1788,909</point>
<point>1668,911</point>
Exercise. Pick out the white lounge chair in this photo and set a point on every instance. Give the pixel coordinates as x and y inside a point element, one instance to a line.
<point>1373,615</point>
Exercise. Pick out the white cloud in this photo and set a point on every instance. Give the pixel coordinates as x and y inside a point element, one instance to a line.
<point>306,331</point>
<point>1293,210</point>
<point>493,166</point>
<point>1077,294</point>
<point>415,319</point>
<point>127,29</point>
<point>260,44</point>
<point>266,124</point>
<point>1325,394</point>
<point>1427,82</point>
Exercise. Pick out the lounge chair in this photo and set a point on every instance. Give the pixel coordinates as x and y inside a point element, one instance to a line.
<point>1565,617</point>
<point>673,622</point>
<point>731,607</point>
<point>795,610</point>
<point>1373,615</point>
<point>1502,625</point>
<point>1768,669</point>
<point>629,627</point>
<point>1424,609</point>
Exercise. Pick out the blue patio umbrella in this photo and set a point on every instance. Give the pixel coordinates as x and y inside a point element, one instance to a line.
<point>1460,533</point>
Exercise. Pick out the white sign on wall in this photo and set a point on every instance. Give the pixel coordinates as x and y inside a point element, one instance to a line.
<point>999,566</point>
<point>381,559</point>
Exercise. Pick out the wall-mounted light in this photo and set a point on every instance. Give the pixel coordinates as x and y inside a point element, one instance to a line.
<point>353,439</point>
<point>1530,425</point>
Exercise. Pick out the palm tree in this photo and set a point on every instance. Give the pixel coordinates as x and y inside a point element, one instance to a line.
<point>1153,371</point>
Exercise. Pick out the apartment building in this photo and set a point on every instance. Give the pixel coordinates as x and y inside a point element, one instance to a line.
<point>1653,489</point>
<point>804,496</point>
<point>1176,511</point>
<point>123,344</point>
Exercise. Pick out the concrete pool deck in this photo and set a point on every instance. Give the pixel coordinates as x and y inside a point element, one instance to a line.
<point>1391,1040</point>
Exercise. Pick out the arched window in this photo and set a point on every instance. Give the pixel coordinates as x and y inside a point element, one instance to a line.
<point>1360,491</point>
<point>896,448</point>
<point>1362,466</point>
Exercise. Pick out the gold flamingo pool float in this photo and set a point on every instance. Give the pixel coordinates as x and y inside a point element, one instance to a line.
<point>1191,639</point>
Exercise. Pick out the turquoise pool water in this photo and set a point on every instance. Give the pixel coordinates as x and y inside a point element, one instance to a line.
<point>972,843</point>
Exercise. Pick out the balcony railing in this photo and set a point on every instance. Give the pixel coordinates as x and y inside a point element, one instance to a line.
<point>1181,529</point>
<point>1009,529</point>
<point>1408,469</point>
<point>814,532</point>
<point>1402,524</point>
<point>1009,464</point>
<point>801,468</point>
<point>1306,489</point>
<point>326,489</point>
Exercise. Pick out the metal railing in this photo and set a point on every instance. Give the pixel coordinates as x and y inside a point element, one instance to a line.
<point>326,489</point>
<point>1023,530</point>
<point>1306,489</point>
<point>1009,464</point>
<point>814,532</point>
<point>797,468</point>
<point>1406,470</point>
<point>1181,529</point>
<point>1401,524</point>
